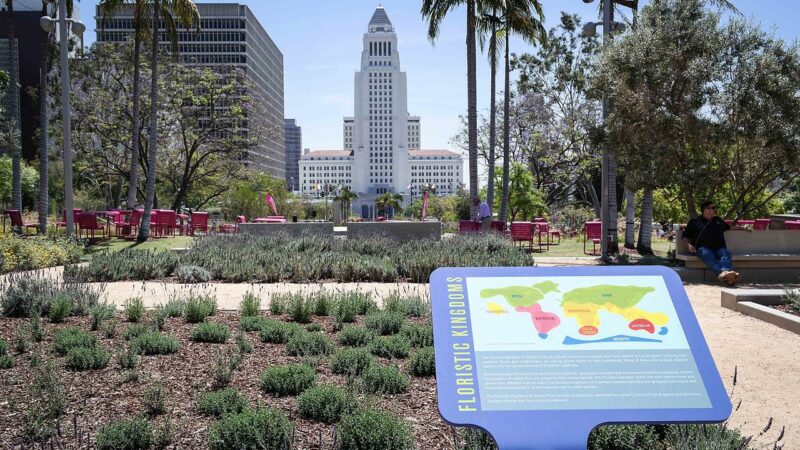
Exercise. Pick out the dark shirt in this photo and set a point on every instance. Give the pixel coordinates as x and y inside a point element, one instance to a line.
<point>702,232</point>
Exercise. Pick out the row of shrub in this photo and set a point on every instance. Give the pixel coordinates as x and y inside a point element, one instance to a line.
<point>245,258</point>
<point>23,296</point>
<point>37,252</point>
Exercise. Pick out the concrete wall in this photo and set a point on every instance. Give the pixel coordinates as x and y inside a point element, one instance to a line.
<point>739,242</point>
<point>291,229</point>
<point>401,231</point>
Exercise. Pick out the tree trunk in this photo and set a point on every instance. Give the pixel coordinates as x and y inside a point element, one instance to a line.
<point>133,180</point>
<point>44,197</point>
<point>595,201</point>
<point>506,130</point>
<point>645,245</point>
<point>613,247</point>
<point>472,105</point>
<point>13,113</point>
<point>630,217</point>
<point>691,207</point>
<point>150,189</point>
<point>492,114</point>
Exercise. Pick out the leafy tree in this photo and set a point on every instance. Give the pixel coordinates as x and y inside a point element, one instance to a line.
<point>247,197</point>
<point>389,200</point>
<point>345,197</point>
<point>11,124</point>
<point>524,201</point>
<point>28,181</point>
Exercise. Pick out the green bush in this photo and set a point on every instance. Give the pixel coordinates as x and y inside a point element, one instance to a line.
<point>379,379</point>
<point>692,437</point>
<point>278,303</point>
<point>154,400</point>
<point>476,439</point>
<point>224,367</point>
<point>158,318</point>
<point>419,335</point>
<point>126,434</point>
<point>408,306</point>
<point>109,328</point>
<point>251,323</point>
<point>344,311</point>
<point>304,343</point>
<point>175,307</point>
<point>624,437</point>
<point>325,403</point>
<point>60,308</point>
<point>218,403</point>
<point>322,303</point>
<point>385,322</point>
<point>300,309</point>
<point>374,430</point>
<point>27,294</point>
<point>262,429</point>
<point>390,347</point>
<point>128,357</point>
<point>36,327</point>
<point>192,274</point>
<point>199,307</point>
<point>127,264</point>
<point>91,358</point>
<point>243,344</point>
<point>21,340</point>
<point>422,363</point>
<point>216,333</point>
<point>353,336</point>
<point>101,313</point>
<point>3,347</point>
<point>351,361</point>
<point>6,361</point>
<point>289,379</point>
<point>68,338</point>
<point>37,252</point>
<point>314,327</point>
<point>134,309</point>
<point>155,343</point>
<point>250,305</point>
<point>277,332</point>
<point>135,330</point>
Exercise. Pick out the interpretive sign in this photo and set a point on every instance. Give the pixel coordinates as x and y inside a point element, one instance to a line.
<point>538,357</point>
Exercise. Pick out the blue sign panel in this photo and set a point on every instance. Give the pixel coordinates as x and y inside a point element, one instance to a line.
<point>538,357</point>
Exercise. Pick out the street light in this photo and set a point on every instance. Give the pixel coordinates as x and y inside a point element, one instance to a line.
<point>48,25</point>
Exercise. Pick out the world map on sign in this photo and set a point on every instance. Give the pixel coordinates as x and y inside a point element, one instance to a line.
<point>582,311</point>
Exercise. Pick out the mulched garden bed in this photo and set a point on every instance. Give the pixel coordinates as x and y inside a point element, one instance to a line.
<point>98,397</point>
<point>787,309</point>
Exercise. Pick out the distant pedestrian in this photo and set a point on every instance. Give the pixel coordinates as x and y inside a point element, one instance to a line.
<point>705,237</point>
<point>484,216</point>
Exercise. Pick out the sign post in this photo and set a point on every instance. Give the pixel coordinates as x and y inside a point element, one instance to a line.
<point>538,357</point>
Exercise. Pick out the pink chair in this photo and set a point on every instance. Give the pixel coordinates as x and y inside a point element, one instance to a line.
<point>791,225</point>
<point>468,226</point>
<point>88,222</point>
<point>743,223</point>
<point>498,225</point>
<point>166,221</point>
<point>592,231</point>
<point>17,222</point>
<point>130,228</point>
<point>63,222</point>
<point>762,224</point>
<point>199,222</point>
<point>522,232</point>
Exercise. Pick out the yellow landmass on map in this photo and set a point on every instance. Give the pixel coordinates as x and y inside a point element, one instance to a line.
<point>659,319</point>
<point>586,314</point>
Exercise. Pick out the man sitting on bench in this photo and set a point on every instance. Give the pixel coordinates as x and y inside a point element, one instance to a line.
<point>705,236</point>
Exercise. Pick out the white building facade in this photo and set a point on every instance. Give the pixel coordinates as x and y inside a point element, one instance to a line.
<point>382,142</point>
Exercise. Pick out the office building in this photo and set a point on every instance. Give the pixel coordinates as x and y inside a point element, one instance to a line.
<point>294,147</point>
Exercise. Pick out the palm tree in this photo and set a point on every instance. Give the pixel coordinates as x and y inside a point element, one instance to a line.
<point>645,244</point>
<point>389,199</point>
<point>489,23</point>
<point>524,17</point>
<point>44,197</point>
<point>13,113</point>
<point>345,197</point>
<point>185,11</point>
<point>109,8</point>
<point>630,216</point>
<point>434,12</point>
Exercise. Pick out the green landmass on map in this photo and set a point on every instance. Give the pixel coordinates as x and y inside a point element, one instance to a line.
<point>620,296</point>
<point>522,295</point>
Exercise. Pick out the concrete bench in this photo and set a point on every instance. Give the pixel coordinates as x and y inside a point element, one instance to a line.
<point>760,256</point>
<point>399,231</point>
<point>291,229</point>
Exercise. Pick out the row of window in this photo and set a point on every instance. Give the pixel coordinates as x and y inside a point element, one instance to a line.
<point>380,48</point>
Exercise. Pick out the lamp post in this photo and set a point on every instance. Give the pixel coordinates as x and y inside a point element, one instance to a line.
<point>608,229</point>
<point>48,24</point>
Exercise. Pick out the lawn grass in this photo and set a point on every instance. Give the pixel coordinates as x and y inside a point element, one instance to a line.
<point>570,247</point>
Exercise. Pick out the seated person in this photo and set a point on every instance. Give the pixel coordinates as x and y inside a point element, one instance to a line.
<point>705,237</point>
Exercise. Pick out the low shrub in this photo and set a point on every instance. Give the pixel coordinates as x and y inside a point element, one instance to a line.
<point>109,328</point>
<point>321,303</point>
<point>60,308</point>
<point>691,437</point>
<point>243,344</point>
<point>251,323</point>
<point>374,430</point>
<point>128,357</point>
<point>155,343</point>
<point>267,429</point>
<point>419,335</point>
<point>390,347</point>
<point>477,439</point>
<point>224,367</point>
<point>344,311</point>
<point>289,379</point>
<point>351,361</point>
<point>164,435</point>
<point>51,402</point>
<point>791,298</point>
<point>6,361</point>
<point>422,363</point>
<point>278,303</point>
<point>300,309</point>
<point>68,338</point>
<point>27,294</point>
<point>304,343</point>
<point>101,313</point>
<point>91,358</point>
<point>158,318</point>
<point>277,332</point>
<point>135,330</point>
<point>199,307</point>
<point>128,264</point>
<point>175,307</point>
<point>21,340</point>
<point>353,336</point>
<point>126,434</point>
<point>408,306</point>
<point>250,305</point>
<point>314,327</point>
<point>192,274</point>
<point>325,403</point>
<point>379,379</point>
<point>36,327</point>
<point>385,322</point>
<point>625,437</point>
<point>155,400</point>
<point>3,347</point>
<point>36,252</point>
<point>216,333</point>
<point>134,309</point>
<point>218,403</point>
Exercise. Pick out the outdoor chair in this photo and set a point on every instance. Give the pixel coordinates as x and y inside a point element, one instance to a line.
<point>761,224</point>
<point>542,228</point>
<point>498,226</point>
<point>16,221</point>
<point>129,228</point>
<point>592,231</point>
<point>166,222</point>
<point>468,226</point>
<point>63,222</point>
<point>791,225</point>
<point>522,232</point>
<point>551,234</point>
<point>88,222</point>
<point>199,222</point>
<point>743,223</point>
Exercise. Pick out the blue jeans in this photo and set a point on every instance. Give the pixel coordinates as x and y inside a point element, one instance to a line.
<point>719,260</point>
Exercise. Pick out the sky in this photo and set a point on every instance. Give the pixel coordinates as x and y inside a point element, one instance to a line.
<point>321,41</point>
